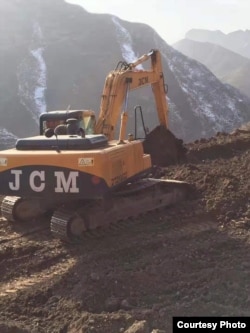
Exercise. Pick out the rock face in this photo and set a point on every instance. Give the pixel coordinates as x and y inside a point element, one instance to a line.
<point>57,55</point>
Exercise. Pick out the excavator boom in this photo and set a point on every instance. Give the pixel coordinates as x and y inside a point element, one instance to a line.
<point>120,81</point>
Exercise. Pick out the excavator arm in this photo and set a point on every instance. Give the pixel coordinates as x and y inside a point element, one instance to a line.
<point>120,81</point>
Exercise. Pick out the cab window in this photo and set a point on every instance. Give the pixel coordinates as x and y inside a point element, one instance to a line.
<point>88,124</point>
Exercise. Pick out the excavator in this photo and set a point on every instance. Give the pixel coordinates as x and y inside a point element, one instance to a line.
<point>79,173</point>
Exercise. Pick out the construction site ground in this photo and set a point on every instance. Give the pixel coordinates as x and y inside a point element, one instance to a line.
<point>188,260</point>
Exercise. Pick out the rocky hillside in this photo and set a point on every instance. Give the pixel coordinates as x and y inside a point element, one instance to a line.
<point>55,54</point>
<point>237,41</point>
<point>228,66</point>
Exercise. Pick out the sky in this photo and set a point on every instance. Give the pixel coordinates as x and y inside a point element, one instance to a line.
<point>173,18</point>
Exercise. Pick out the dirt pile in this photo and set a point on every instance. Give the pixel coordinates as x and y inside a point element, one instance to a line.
<point>220,169</point>
<point>189,260</point>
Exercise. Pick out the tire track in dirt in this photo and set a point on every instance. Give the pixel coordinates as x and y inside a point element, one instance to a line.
<point>16,236</point>
<point>46,275</point>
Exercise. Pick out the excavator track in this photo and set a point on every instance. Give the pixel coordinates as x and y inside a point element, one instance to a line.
<point>59,222</point>
<point>133,200</point>
<point>8,207</point>
<point>16,209</point>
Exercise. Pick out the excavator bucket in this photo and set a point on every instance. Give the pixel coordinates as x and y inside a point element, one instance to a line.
<point>165,149</point>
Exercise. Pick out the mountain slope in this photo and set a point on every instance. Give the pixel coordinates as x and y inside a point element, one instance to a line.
<point>228,66</point>
<point>237,41</point>
<point>61,55</point>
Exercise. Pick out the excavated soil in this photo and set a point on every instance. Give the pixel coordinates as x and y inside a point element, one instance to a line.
<point>193,259</point>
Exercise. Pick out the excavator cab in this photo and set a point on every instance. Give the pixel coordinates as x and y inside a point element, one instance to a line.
<point>65,130</point>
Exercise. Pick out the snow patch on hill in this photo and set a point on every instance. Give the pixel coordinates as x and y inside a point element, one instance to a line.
<point>7,139</point>
<point>125,41</point>
<point>32,76</point>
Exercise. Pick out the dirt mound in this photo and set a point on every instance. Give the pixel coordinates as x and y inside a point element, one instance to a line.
<point>220,169</point>
<point>222,145</point>
<point>165,149</point>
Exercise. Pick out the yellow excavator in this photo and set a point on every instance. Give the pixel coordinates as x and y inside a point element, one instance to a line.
<point>78,171</point>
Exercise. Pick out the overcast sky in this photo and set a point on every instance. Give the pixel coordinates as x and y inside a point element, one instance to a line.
<point>173,18</point>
